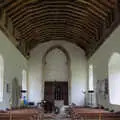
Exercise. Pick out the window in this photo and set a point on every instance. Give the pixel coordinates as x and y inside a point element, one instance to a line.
<point>91,77</point>
<point>114,78</point>
<point>1,78</point>
<point>24,80</point>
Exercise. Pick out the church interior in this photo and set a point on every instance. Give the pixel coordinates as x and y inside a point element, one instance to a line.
<point>59,59</point>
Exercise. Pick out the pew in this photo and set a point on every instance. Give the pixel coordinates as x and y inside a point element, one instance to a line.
<point>23,114</point>
<point>78,113</point>
<point>4,116</point>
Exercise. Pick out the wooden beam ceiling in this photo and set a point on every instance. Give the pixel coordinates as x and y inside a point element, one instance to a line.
<point>83,22</point>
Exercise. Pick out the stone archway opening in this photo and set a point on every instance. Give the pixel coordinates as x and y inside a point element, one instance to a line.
<point>56,71</point>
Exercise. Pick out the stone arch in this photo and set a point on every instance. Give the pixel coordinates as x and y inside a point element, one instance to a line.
<point>69,68</point>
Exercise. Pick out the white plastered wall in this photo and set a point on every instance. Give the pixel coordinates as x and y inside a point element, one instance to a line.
<point>14,63</point>
<point>78,71</point>
<point>100,62</point>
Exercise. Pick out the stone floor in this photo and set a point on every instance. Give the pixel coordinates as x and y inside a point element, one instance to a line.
<point>55,117</point>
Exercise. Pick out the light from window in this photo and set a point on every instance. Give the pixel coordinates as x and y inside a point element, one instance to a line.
<point>24,80</point>
<point>114,79</point>
<point>91,77</point>
<point>1,78</point>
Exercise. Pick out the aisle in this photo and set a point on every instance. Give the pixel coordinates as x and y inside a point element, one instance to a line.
<point>55,117</point>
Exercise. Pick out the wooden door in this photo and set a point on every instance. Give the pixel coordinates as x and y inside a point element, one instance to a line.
<point>48,92</point>
<point>61,92</point>
<point>56,91</point>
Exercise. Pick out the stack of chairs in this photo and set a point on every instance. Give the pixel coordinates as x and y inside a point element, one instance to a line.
<point>23,114</point>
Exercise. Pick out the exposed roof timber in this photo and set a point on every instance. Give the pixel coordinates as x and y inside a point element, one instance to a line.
<point>54,12</point>
<point>73,27</point>
<point>51,22</point>
<point>64,21</point>
<point>24,4</point>
<point>5,3</point>
<point>24,11</point>
<point>51,14</point>
<point>50,7</point>
<point>64,16</point>
<point>62,37</point>
<point>46,23</point>
<point>108,3</point>
<point>52,30</point>
<point>105,35</point>
<point>47,30</point>
<point>82,22</point>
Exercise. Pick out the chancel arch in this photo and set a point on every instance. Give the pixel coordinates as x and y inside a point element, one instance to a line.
<point>56,68</point>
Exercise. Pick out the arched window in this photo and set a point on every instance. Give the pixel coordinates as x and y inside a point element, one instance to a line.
<point>114,78</point>
<point>1,78</point>
<point>24,80</point>
<point>91,77</point>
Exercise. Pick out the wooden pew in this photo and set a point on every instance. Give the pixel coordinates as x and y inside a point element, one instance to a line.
<point>111,116</point>
<point>93,114</point>
<point>23,114</point>
<point>4,116</point>
<point>27,114</point>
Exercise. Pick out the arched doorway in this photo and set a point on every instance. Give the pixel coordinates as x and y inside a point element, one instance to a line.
<point>56,71</point>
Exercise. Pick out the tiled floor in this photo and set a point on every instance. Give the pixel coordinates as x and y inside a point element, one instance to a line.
<point>55,117</point>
